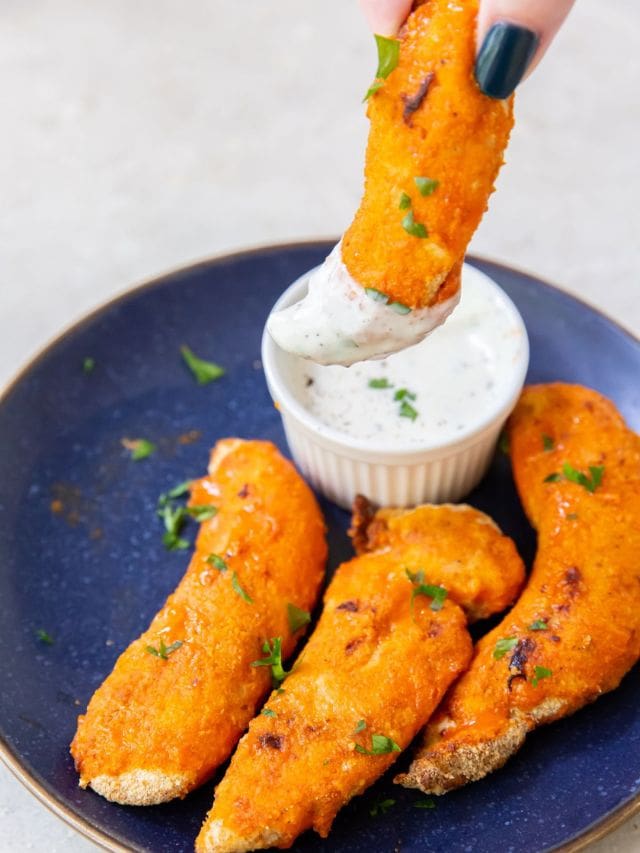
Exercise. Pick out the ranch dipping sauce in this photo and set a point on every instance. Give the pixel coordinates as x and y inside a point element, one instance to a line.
<point>338,322</point>
<point>436,392</point>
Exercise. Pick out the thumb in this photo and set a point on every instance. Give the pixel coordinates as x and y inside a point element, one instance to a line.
<point>513,36</point>
<point>385,17</point>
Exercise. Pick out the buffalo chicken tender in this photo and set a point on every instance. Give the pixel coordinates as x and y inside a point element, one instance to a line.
<point>181,695</point>
<point>390,640</point>
<point>575,631</point>
<point>437,138</point>
<point>435,147</point>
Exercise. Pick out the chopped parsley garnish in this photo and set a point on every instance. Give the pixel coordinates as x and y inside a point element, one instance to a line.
<point>381,807</point>
<point>88,365</point>
<point>400,308</point>
<point>388,55</point>
<point>415,229</point>
<point>139,448</point>
<point>376,295</point>
<point>217,562</point>
<point>380,383</point>
<point>297,617</point>
<point>203,371</point>
<point>235,583</point>
<point>202,512</point>
<point>404,394</point>
<point>273,652</point>
<point>360,727</point>
<point>540,672</point>
<point>164,651</point>
<point>547,443</point>
<point>373,88</point>
<point>506,644</point>
<point>174,519</point>
<point>438,594</point>
<point>176,492</point>
<point>427,803</point>
<point>503,442</point>
<point>407,411</point>
<point>44,637</point>
<point>590,483</point>
<point>538,625</point>
<point>405,201</point>
<point>267,712</point>
<point>426,186</point>
<point>380,745</point>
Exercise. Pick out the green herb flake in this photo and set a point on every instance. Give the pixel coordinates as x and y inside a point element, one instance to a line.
<point>407,411</point>
<point>415,229</point>
<point>404,394</point>
<point>297,617</point>
<point>273,652</point>
<point>589,483</point>
<point>380,745</point>
<point>267,712</point>
<point>405,201</point>
<point>202,512</point>
<point>552,478</point>
<point>373,88</point>
<point>388,55</point>
<point>381,807</point>
<point>173,518</point>
<point>164,651</point>
<point>506,644</point>
<point>360,727</point>
<point>538,625</point>
<point>176,492</point>
<point>426,186</point>
<point>400,308</point>
<point>438,594</point>
<point>376,295</point>
<point>139,448</point>
<point>44,637</point>
<point>203,371</point>
<point>217,562</point>
<point>380,383</point>
<point>503,442</point>
<point>572,516</point>
<point>426,803</point>
<point>548,443</point>
<point>235,583</point>
<point>88,365</point>
<point>540,672</point>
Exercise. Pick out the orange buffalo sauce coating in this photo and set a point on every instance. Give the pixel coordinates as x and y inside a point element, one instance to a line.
<point>377,664</point>
<point>575,631</point>
<point>157,728</point>
<point>429,119</point>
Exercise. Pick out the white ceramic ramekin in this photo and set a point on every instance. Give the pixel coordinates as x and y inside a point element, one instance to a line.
<point>341,466</point>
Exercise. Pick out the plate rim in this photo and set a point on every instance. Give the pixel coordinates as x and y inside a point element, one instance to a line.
<point>10,759</point>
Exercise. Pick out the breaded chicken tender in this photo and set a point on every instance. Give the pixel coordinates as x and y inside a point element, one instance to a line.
<point>438,140</point>
<point>575,631</point>
<point>390,640</point>
<point>181,695</point>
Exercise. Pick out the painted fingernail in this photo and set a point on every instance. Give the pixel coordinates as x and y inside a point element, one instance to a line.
<point>504,57</point>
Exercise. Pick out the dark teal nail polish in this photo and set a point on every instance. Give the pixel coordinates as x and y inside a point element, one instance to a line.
<point>504,57</point>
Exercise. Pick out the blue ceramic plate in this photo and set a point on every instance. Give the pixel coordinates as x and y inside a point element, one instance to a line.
<point>81,554</point>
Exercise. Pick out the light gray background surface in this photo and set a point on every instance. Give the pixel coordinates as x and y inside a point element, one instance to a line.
<point>139,136</point>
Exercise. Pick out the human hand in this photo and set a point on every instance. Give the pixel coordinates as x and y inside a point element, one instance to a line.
<point>512,35</point>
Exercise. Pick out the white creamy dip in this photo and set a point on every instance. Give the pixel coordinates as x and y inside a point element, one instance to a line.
<point>338,323</point>
<point>440,390</point>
